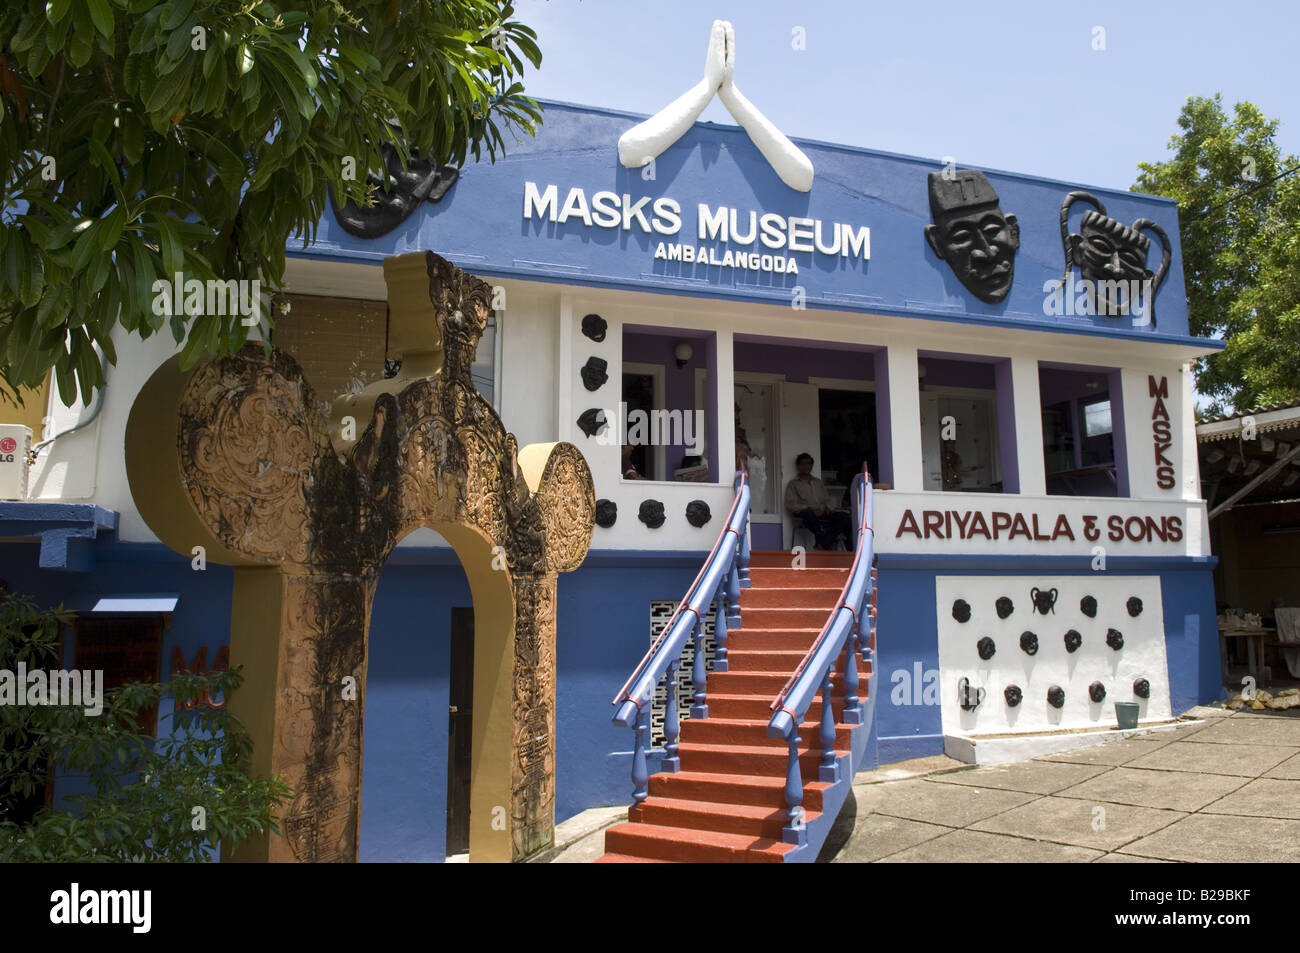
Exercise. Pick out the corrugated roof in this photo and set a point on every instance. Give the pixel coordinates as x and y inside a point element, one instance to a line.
<point>1262,409</point>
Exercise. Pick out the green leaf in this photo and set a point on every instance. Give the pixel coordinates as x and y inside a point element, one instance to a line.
<point>173,255</point>
<point>102,13</point>
<point>56,10</point>
<point>175,13</point>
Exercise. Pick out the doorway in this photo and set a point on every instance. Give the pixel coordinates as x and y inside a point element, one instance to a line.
<point>460,724</point>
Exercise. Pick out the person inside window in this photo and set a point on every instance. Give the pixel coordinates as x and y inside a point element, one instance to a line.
<point>628,466</point>
<point>806,500</point>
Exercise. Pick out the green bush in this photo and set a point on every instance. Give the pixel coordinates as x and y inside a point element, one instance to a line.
<point>172,798</point>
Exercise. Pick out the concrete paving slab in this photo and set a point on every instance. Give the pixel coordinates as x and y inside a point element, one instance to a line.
<point>1290,768</point>
<point>1249,728</point>
<point>1034,777</point>
<point>974,847</point>
<point>1263,797</point>
<point>950,805</point>
<point>902,770</point>
<point>1114,754</point>
<point>1247,761</point>
<point>878,835</point>
<point>1143,787</point>
<point>1129,859</point>
<point>1210,838</point>
<point>1065,820</point>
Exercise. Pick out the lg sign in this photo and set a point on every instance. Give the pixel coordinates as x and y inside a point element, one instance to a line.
<point>7,447</point>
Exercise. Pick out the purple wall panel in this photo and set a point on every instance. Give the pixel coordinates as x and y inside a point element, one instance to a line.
<point>884,434</point>
<point>1118,434</point>
<point>1007,428</point>
<point>800,363</point>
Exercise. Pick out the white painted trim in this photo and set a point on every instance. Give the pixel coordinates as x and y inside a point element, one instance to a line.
<point>905,417</point>
<point>564,366</point>
<point>1027,413</point>
<point>656,373</point>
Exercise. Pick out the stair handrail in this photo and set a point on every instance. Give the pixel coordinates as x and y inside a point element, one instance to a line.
<point>812,674</point>
<point>724,573</point>
<point>639,688</point>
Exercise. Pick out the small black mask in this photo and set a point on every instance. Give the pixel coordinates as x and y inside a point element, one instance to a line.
<point>961,610</point>
<point>1005,607</point>
<point>1142,688</point>
<point>594,373</point>
<point>592,421</point>
<point>1134,606</point>
<point>1044,600</point>
<point>593,326</point>
<point>1097,691</point>
<point>1056,696</point>
<point>1115,639</point>
<point>651,513</point>
<point>1029,643</point>
<point>606,513</point>
<point>985,648</point>
<point>1072,641</point>
<point>697,513</point>
<point>1088,606</point>
<point>1013,695</point>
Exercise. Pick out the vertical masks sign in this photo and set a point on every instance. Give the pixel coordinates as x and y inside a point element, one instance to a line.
<point>1161,432</point>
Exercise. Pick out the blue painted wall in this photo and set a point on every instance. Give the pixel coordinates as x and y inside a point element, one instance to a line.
<point>404,780</point>
<point>603,617</point>
<point>480,225</point>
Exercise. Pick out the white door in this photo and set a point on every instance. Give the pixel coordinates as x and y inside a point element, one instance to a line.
<point>800,432</point>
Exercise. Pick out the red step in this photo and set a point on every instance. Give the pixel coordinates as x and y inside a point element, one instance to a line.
<point>822,598</point>
<point>763,790</point>
<point>753,732</point>
<point>758,706</point>
<point>755,820</point>
<point>774,577</point>
<point>749,759</point>
<point>790,638</point>
<point>764,660</point>
<point>629,859</point>
<point>684,843</point>
<point>765,684</point>
<point>813,559</point>
<point>763,617</point>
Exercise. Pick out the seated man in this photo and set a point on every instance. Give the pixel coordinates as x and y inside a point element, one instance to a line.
<point>806,500</point>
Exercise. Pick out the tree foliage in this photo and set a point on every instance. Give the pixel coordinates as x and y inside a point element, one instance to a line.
<point>144,138</point>
<point>142,791</point>
<point>1239,215</point>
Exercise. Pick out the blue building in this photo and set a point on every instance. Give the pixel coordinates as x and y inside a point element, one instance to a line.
<point>1031,442</point>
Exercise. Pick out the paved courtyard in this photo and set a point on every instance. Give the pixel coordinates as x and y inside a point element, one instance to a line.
<point>1224,789</point>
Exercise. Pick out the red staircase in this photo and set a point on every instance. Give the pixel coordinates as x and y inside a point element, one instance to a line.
<point>727,802</point>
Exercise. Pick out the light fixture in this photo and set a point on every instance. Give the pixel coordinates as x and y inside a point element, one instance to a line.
<point>683,352</point>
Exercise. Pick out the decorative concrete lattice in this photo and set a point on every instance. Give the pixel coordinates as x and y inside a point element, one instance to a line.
<point>661,611</point>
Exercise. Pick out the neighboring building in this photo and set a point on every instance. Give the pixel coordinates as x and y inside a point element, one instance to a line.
<point>1250,468</point>
<point>1027,442</point>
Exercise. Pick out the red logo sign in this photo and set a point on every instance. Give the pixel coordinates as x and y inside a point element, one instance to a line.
<point>8,445</point>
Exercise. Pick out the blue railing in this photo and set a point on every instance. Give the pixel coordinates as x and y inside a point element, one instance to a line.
<point>719,582</point>
<point>813,674</point>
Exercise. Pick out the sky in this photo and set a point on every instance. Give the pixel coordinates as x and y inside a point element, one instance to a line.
<point>1014,86</point>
